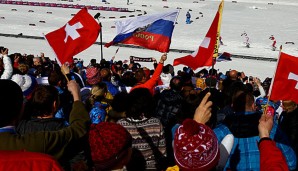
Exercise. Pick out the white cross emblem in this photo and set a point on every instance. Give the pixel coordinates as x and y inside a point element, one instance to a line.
<point>72,31</point>
<point>204,44</point>
<point>293,76</point>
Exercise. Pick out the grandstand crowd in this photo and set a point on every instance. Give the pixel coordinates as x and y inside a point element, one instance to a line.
<point>118,115</point>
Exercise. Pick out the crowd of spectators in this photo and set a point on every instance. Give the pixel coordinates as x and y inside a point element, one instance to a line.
<point>118,115</point>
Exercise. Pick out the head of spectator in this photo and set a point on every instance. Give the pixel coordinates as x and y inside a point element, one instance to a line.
<point>37,61</point>
<point>44,102</point>
<point>141,104</point>
<point>203,73</point>
<point>243,101</point>
<point>195,146</point>
<point>176,84</point>
<point>189,89</point>
<point>11,100</point>
<point>140,76</point>
<point>23,68</point>
<point>233,75</point>
<point>212,72</point>
<point>129,79</point>
<point>98,93</point>
<point>26,82</point>
<point>289,106</point>
<point>266,84</point>
<point>111,146</point>
<point>211,82</point>
<point>222,76</point>
<point>171,69</point>
<point>105,74</point>
<point>93,75</point>
<point>119,107</point>
<point>56,78</point>
<point>92,63</point>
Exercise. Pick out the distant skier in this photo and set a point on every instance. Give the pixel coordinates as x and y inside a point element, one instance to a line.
<point>188,16</point>
<point>273,43</point>
<point>246,39</point>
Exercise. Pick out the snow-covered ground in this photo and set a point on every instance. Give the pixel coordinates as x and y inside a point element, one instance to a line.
<point>259,18</point>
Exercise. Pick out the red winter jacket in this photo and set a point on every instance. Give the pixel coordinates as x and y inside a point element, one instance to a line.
<point>271,157</point>
<point>151,83</point>
<point>27,161</point>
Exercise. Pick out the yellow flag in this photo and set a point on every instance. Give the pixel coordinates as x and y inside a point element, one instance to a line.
<point>216,47</point>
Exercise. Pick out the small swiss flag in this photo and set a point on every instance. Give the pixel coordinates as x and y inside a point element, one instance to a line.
<point>74,37</point>
<point>285,82</point>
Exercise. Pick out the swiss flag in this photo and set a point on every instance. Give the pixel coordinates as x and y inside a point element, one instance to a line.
<point>74,37</point>
<point>285,82</point>
<point>203,56</point>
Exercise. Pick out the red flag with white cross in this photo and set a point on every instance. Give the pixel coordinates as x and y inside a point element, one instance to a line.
<point>74,37</point>
<point>203,56</point>
<point>285,83</point>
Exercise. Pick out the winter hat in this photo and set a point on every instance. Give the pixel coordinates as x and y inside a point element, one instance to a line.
<point>110,143</point>
<point>195,146</point>
<point>222,77</point>
<point>26,82</point>
<point>93,75</point>
<point>85,93</point>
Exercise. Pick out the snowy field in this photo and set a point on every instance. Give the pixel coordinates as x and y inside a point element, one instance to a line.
<point>259,18</point>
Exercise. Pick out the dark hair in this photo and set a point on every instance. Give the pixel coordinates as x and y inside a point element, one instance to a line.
<point>93,62</point>
<point>120,102</point>
<point>11,102</point>
<point>43,98</point>
<point>241,99</point>
<point>128,79</point>
<point>140,74</point>
<point>176,83</point>
<point>55,76</point>
<point>141,103</point>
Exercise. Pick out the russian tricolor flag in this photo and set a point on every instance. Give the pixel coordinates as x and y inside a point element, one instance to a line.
<point>150,31</point>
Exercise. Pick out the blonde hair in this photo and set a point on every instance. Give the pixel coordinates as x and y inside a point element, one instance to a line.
<point>24,68</point>
<point>98,91</point>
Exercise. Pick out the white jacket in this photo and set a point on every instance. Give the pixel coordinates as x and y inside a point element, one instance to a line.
<point>8,69</point>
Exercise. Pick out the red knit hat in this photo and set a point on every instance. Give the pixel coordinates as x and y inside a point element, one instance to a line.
<point>195,147</point>
<point>93,75</point>
<point>109,143</point>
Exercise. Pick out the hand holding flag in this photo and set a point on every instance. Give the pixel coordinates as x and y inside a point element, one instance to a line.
<point>74,37</point>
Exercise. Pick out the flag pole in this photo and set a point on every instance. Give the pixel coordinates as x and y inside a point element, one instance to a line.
<point>215,53</point>
<point>101,57</point>
<point>116,51</point>
<point>270,88</point>
<point>96,16</point>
